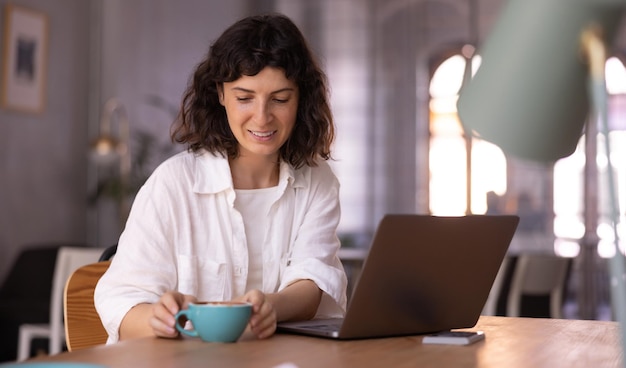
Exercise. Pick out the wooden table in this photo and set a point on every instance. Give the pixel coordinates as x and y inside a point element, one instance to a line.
<point>510,342</point>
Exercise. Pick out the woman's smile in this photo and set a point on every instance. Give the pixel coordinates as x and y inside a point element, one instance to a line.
<point>265,136</point>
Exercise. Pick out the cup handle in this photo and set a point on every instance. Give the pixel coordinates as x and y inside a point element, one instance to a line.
<point>181,329</point>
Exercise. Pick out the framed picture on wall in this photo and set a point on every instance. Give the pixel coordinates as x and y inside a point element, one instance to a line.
<point>24,58</point>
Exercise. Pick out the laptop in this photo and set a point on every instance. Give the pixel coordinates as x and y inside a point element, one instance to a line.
<point>423,274</point>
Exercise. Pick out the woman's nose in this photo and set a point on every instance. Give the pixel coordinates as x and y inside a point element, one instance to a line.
<point>262,113</point>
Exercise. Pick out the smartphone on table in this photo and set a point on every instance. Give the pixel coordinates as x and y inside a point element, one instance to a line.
<point>454,337</point>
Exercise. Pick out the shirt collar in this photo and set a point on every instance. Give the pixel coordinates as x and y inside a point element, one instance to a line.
<point>212,174</point>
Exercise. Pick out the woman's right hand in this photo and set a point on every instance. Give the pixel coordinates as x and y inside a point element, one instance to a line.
<point>162,320</point>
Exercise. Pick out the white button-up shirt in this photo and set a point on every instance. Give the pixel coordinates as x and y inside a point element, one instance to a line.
<point>183,233</point>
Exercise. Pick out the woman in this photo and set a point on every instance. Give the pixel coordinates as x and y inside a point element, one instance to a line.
<point>249,212</point>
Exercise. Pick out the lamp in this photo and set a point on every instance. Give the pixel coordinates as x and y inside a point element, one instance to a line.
<point>107,149</point>
<point>530,93</point>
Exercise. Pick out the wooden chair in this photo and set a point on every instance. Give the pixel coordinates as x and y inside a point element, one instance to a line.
<point>83,328</point>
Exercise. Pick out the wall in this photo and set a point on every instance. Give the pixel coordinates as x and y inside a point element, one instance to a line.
<point>43,166</point>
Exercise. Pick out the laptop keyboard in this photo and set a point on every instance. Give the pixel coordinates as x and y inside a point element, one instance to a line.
<point>326,327</point>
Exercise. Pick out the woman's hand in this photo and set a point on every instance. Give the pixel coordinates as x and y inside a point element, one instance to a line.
<point>263,321</point>
<point>162,320</point>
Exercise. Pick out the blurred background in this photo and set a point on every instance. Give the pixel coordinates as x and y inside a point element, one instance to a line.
<point>395,68</point>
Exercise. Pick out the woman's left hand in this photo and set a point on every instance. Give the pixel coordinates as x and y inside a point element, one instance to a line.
<point>263,320</point>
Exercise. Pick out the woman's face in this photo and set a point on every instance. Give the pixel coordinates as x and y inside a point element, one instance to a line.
<point>261,111</point>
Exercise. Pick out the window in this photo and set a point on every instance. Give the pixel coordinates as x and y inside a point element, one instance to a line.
<point>448,150</point>
<point>569,225</point>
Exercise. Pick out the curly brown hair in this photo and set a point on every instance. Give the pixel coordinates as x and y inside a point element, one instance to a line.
<point>245,48</point>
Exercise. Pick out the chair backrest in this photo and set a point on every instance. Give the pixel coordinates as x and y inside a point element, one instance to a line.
<point>491,305</point>
<point>83,327</point>
<point>69,258</point>
<point>19,283</point>
<point>537,274</point>
<point>108,253</point>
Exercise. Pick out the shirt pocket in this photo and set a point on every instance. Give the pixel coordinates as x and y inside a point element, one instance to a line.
<point>203,278</point>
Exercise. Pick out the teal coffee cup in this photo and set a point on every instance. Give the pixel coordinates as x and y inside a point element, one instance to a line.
<point>215,321</point>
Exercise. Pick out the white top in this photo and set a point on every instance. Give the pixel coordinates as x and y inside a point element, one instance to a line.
<point>254,205</point>
<point>183,233</point>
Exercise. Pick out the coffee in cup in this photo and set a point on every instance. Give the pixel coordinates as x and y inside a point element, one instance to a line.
<point>215,321</point>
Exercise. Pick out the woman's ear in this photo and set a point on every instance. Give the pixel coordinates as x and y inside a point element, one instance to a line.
<point>220,93</point>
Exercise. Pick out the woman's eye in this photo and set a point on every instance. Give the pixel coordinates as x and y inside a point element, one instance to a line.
<point>280,100</point>
<point>243,99</point>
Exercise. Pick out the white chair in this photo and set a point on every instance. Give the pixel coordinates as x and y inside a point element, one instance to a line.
<point>68,260</point>
<point>491,305</point>
<point>537,274</point>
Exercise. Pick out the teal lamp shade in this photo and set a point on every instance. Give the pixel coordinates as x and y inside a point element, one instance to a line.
<point>530,94</point>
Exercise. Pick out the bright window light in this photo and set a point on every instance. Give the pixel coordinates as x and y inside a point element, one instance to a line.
<point>448,169</point>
